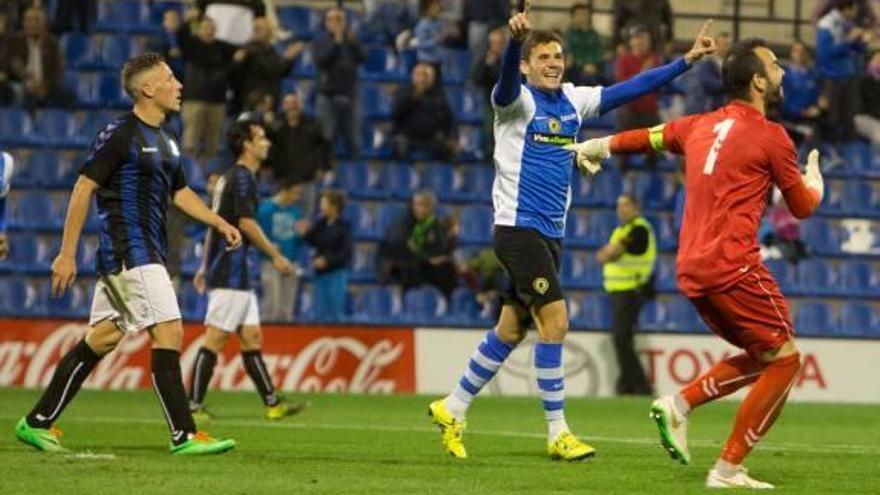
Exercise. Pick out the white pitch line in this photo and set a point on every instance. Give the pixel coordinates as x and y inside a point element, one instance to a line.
<point>769,446</point>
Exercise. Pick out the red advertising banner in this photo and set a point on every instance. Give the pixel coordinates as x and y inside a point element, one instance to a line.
<point>299,358</point>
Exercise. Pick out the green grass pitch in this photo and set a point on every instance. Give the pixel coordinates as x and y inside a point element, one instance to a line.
<point>385,444</point>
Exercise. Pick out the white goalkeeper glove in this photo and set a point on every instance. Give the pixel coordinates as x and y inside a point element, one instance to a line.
<point>812,175</point>
<point>590,154</point>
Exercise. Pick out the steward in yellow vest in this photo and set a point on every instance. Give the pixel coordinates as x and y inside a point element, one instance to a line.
<point>628,261</point>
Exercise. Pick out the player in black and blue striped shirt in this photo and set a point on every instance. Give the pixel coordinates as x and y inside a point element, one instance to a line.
<point>134,170</point>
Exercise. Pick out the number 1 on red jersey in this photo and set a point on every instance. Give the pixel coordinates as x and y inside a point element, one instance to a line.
<point>721,130</point>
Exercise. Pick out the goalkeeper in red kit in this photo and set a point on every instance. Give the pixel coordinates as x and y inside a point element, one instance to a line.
<point>733,156</point>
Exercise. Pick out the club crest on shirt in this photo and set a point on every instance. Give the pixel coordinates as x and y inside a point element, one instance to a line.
<point>541,285</point>
<point>554,125</point>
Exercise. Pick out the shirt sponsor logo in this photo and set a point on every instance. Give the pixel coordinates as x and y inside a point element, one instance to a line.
<point>551,139</point>
<point>566,118</point>
<point>150,149</point>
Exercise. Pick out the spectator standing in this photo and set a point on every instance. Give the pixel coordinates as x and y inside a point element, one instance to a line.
<point>234,18</point>
<point>584,44</point>
<point>278,217</point>
<point>36,62</point>
<point>802,106</point>
<point>337,57</point>
<point>259,67</point>
<point>839,49</point>
<point>299,151</point>
<point>482,16</point>
<point>704,84</point>
<point>868,118</point>
<point>418,248</point>
<point>654,15</point>
<point>7,164</point>
<point>330,239</point>
<point>642,112</point>
<point>204,90</point>
<point>429,34</point>
<point>866,16</point>
<point>628,265</point>
<point>422,120</point>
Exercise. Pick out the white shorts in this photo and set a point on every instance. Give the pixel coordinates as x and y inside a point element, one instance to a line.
<point>135,299</point>
<point>229,309</point>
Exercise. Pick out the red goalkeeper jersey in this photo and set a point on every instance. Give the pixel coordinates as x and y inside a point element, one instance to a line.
<point>732,157</point>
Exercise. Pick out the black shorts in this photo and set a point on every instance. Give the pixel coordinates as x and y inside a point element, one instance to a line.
<point>532,262</point>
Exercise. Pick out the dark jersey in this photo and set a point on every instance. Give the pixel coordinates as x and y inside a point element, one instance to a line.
<point>235,197</point>
<point>138,169</point>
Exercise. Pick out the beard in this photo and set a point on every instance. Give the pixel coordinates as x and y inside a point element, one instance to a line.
<point>774,97</point>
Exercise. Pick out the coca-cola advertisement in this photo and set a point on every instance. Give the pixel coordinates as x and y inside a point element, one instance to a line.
<point>371,360</point>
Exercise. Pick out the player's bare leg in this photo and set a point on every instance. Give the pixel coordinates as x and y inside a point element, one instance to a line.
<point>251,342</point>
<point>36,429</point>
<point>552,322</point>
<point>203,369</point>
<point>449,413</point>
<point>168,383</point>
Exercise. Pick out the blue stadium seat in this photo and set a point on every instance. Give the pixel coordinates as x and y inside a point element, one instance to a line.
<point>361,221</point>
<point>817,277</point>
<point>466,105</point>
<point>858,319</point>
<point>399,179</point>
<point>439,178</point>
<point>376,139</point>
<point>303,21</point>
<point>116,50</point>
<point>455,65</point>
<point>376,304</point>
<point>665,274</point>
<point>388,213</point>
<point>585,191</point>
<point>382,64</point>
<point>859,278</point>
<point>600,224</point>
<point>15,297</point>
<point>653,316</point>
<point>465,310</point>
<point>39,169</point>
<point>31,210</point>
<point>814,318</point>
<point>126,16</point>
<point>470,143</point>
<point>478,182</point>
<point>359,181</point>
<point>16,127</point>
<point>576,229</point>
<point>666,236</point>
<point>571,272</point>
<point>304,65</point>
<point>654,191</point>
<point>363,266</point>
<point>683,317</point>
<point>424,306</point>
<point>476,225</point>
<point>821,236</point>
<point>72,304</point>
<point>785,275</point>
<point>375,101</point>
<point>609,185</point>
<point>594,312</point>
<point>110,91</point>
<point>56,128</point>
<point>858,199</point>
<point>80,51</point>
<point>24,251</point>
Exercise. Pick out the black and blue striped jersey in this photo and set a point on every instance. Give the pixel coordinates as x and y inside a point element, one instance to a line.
<point>235,197</point>
<point>137,168</point>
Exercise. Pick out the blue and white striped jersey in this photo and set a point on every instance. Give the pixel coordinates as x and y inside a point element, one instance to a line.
<point>533,171</point>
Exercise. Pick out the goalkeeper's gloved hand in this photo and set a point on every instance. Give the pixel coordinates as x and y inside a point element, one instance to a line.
<point>812,175</point>
<point>590,153</point>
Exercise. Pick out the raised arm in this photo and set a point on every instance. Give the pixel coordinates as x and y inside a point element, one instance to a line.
<point>509,79</point>
<point>654,79</point>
